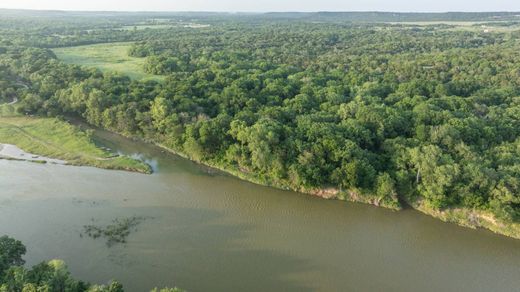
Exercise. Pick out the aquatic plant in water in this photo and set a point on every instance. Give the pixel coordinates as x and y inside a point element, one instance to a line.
<point>117,232</point>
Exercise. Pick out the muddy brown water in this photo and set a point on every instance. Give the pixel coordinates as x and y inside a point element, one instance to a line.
<point>213,232</point>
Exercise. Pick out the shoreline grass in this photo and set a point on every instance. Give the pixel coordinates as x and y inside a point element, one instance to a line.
<point>54,138</point>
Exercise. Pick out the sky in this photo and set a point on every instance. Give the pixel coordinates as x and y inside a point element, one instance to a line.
<point>267,5</point>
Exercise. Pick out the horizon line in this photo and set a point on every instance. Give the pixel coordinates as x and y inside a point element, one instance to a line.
<point>261,12</point>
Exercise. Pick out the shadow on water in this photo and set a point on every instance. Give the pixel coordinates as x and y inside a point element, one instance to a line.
<point>204,254</point>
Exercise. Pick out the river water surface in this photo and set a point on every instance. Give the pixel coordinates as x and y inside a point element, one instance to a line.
<point>213,232</point>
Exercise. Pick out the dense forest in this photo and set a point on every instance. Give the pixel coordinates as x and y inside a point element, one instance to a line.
<point>387,113</point>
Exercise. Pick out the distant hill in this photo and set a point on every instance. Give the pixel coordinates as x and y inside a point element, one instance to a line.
<point>301,16</point>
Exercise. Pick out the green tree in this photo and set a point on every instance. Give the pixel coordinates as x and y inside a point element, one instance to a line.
<point>11,252</point>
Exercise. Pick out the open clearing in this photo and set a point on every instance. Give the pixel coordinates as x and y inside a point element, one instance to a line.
<point>109,57</point>
<point>472,26</point>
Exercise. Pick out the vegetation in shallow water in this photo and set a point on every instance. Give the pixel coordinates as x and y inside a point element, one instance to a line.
<point>117,232</point>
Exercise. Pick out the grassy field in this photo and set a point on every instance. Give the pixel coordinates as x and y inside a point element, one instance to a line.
<point>472,26</point>
<point>107,57</point>
<point>147,26</point>
<point>488,28</point>
<point>58,139</point>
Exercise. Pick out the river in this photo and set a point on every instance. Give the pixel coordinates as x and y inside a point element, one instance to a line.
<point>211,232</point>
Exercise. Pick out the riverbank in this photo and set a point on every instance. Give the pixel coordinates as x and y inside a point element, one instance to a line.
<point>473,219</point>
<point>470,218</point>
<point>463,217</point>
<point>55,141</point>
<point>329,193</point>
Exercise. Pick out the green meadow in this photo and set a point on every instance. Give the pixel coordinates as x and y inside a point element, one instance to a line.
<point>109,57</point>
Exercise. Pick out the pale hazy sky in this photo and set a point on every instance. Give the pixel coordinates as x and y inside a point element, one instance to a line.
<point>268,5</point>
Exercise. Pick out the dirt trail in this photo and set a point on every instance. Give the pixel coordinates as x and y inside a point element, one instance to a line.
<point>15,100</point>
